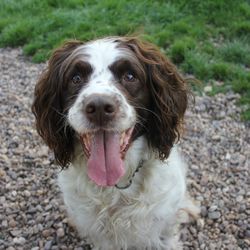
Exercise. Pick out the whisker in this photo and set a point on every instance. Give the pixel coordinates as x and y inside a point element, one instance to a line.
<point>64,120</point>
<point>140,122</point>
<point>58,112</point>
<point>152,112</point>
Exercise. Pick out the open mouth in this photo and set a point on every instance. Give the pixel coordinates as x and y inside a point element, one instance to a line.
<point>105,151</point>
<point>88,139</point>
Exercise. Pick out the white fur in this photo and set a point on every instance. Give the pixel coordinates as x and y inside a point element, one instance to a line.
<point>144,216</point>
<point>147,214</point>
<point>101,54</point>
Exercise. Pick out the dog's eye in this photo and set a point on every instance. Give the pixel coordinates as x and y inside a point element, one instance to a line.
<point>129,77</point>
<point>76,79</point>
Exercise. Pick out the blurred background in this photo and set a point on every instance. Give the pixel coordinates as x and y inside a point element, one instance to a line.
<point>208,39</point>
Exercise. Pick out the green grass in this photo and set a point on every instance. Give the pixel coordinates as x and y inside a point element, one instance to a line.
<point>208,39</point>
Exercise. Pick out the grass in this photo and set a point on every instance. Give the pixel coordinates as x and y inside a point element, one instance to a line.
<point>208,39</point>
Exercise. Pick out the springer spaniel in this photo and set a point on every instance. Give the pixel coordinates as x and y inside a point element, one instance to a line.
<point>112,111</point>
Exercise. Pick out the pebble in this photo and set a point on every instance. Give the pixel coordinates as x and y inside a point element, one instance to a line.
<point>10,248</point>
<point>214,215</point>
<point>46,233</point>
<point>19,240</point>
<point>60,232</point>
<point>48,245</point>
<point>27,193</point>
<point>239,198</point>
<point>203,211</point>
<point>208,89</point>
<point>216,146</point>
<point>14,193</point>
<point>4,223</point>
<point>12,223</point>
<point>212,208</point>
<point>247,233</point>
<point>15,232</point>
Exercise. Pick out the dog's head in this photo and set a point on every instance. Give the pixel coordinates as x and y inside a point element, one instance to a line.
<point>105,94</point>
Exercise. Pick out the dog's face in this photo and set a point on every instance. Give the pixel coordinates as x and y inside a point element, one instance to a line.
<point>105,94</point>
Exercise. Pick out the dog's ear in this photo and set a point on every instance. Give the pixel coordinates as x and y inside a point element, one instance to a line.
<point>48,106</point>
<point>169,96</point>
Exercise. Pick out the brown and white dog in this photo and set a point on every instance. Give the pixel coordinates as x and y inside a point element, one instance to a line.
<point>112,110</point>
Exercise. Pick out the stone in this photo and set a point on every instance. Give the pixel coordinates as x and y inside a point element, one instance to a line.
<point>60,232</point>
<point>203,211</point>
<point>19,240</point>
<point>46,233</point>
<point>48,245</point>
<point>15,232</point>
<point>208,89</point>
<point>214,215</point>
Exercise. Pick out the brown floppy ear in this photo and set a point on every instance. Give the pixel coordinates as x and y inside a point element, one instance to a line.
<point>169,96</point>
<point>48,106</point>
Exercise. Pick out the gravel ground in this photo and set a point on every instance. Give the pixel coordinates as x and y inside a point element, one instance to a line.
<point>32,215</point>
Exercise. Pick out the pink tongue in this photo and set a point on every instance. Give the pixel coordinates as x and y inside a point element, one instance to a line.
<point>105,166</point>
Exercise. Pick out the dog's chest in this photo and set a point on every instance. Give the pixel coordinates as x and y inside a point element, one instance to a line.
<point>119,213</point>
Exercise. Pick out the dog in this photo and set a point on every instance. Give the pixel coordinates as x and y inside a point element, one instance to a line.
<point>112,111</point>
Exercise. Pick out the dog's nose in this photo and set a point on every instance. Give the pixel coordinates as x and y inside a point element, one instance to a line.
<point>100,109</point>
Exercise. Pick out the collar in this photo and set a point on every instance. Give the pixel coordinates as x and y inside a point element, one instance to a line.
<point>140,165</point>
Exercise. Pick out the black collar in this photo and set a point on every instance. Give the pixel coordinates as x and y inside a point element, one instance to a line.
<point>131,178</point>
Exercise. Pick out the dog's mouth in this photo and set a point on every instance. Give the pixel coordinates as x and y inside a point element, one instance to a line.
<point>105,151</point>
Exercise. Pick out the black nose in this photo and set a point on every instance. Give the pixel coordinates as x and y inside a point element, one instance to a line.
<point>100,109</point>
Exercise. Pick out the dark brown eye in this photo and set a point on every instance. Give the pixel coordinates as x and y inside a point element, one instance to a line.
<point>129,77</point>
<point>76,79</point>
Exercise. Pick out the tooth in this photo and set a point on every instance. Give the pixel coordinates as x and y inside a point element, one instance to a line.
<point>88,141</point>
<point>123,137</point>
<point>121,141</point>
